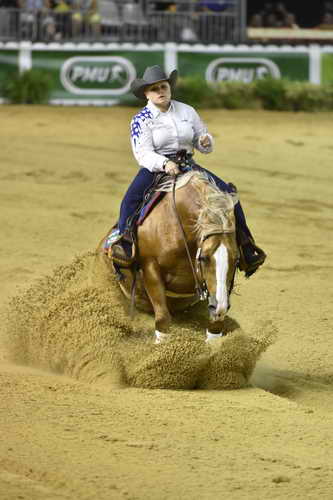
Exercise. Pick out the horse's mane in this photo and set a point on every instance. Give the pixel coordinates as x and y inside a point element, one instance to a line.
<point>216,211</point>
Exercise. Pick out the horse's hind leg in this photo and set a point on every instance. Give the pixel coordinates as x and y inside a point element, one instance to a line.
<point>156,291</point>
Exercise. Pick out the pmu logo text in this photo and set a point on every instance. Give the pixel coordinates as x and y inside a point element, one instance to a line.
<point>242,69</point>
<point>97,75</point>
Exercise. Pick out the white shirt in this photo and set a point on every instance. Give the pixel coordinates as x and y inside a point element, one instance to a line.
<point>155,134</point>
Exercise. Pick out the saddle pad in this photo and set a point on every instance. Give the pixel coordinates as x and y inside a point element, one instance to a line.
<point>146,209</point>
<point>164,185</point>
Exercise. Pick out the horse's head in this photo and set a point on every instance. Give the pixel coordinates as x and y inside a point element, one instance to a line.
<point>217,260</point>
<point>218,254</point>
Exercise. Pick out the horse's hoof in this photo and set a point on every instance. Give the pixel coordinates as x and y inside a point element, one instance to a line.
<point>162,338</point>
<point>213,337</point>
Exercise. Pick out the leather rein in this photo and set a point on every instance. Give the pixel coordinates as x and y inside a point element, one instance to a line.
<point>200,284</point>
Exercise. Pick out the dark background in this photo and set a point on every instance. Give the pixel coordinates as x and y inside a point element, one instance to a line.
<point>308,12</point>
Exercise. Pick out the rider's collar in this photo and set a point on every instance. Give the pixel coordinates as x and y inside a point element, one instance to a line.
<point>155,111</point>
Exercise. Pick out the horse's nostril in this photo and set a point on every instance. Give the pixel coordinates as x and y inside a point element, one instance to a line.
<point>218,316</point>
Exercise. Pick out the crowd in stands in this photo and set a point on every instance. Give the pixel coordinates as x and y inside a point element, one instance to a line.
<point>273,15</point>
<point>327,17</point>
<point>55,20</point>
<point>276,15</point>
<point>215,21</point>
<point>197,6</point>
<point>62,20</point>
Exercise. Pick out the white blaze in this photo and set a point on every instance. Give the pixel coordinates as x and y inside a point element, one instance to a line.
<point>221,257</point>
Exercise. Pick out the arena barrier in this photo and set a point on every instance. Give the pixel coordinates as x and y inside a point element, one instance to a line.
<point>100,74</point>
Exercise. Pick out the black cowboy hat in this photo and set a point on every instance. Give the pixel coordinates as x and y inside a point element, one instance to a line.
<point>152,74</point>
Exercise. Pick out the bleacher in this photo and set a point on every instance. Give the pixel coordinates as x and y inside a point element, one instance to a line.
<point>190,21</point>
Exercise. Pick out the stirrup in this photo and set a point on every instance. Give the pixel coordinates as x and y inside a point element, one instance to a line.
<point>120,257</point>
<point>111,239</point>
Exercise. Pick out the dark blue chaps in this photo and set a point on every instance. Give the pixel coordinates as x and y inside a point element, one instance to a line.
<point>144,179</point>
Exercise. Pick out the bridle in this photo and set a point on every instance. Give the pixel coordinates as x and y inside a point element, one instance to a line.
<point>199,280</point>
<point>201,288</point>
<point>197,271</point>
<point>204,293</point>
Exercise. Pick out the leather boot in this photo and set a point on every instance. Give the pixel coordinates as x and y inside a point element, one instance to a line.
<point>250,263</point>
<point>122,252</point>
<point>251,256</point>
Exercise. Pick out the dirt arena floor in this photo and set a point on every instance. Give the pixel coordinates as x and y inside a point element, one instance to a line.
<point>81,412</point>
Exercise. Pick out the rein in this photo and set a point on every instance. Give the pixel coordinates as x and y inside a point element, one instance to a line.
<point>200,288</point>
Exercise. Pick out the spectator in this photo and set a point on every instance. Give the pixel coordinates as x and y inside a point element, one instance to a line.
<point>47,23</point>
<point>266,12</point>
<point>163,6</point>
<point>290,22</point>
<point>62,14</point>
<point>271,21</point>
<point>281,14</point>
<point>110,18</point>
<point>217,6</point>
<point>326,23</point>
<point>172,7</point>
<point>276,15</point>
<point>188,33</point>
<point>256,21</point>
<point>328,7</point>
<point>34,18</point>
<point>86,19</point>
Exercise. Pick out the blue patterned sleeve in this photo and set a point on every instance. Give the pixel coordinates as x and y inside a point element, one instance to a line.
<point>142,142</point>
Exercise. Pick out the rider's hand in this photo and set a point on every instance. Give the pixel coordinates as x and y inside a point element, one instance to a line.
<point>171,168</point>
<point>204,141</point>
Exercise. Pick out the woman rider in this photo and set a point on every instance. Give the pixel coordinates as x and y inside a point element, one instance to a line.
<point>159,132</point>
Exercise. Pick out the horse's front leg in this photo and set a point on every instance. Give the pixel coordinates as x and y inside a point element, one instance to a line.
<point>156,291</point>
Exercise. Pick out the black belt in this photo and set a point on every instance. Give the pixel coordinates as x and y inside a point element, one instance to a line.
<point>182,158</point>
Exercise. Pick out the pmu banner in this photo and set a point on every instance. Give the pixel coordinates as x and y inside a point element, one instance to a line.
<point>327,68</point>
<point>8,64</point>
<point>98,74</point>
<point>94,76</point>
<point>244,66</point>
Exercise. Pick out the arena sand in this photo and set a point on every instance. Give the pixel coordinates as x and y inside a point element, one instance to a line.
<point>85,412</point>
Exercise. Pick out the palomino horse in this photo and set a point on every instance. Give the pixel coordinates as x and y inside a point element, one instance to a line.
<point>187,250</point>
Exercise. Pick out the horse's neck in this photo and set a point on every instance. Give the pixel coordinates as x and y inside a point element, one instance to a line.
<point>188,207</point>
